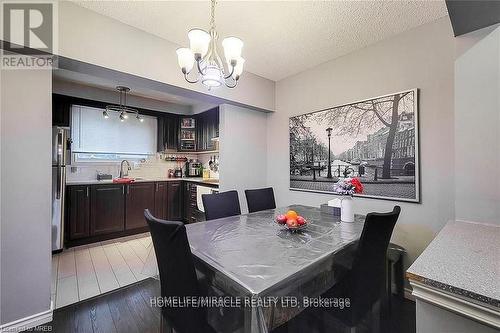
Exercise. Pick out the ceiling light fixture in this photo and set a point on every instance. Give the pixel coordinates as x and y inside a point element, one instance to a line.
<point>123,109</point>
<point>203,50</point>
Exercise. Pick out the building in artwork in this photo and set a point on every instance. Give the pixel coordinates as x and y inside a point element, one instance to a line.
<point>372,150</point>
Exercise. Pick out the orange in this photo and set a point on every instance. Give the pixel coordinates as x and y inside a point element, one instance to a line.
<point>291,214</point>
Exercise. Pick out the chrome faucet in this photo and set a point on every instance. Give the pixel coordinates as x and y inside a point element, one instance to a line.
<point>122,174</point>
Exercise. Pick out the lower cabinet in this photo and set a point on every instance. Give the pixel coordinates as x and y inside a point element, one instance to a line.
<point>174,200</point>
<point>107,211</point>
<point>99,211</point>
<point>161,203</point>
<point>139,196</point>
<point>78,212</point>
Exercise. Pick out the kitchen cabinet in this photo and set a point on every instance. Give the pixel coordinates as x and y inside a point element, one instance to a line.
<point>168,132</point>
<point>97,212</point>
<point>78,212</point>
<point>161,202</point>
<point>207,127</point>
<point>107,209</point>
<point>174,199</point>
<point>138,197</point>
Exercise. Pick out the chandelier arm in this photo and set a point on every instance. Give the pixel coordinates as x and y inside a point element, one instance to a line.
<point>198,62</point>
<point>230,74</point>
<point>190,81</point>
<point>231,86</point>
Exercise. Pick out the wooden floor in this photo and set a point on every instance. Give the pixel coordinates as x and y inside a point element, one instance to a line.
<point>87,271</point>
<point>128,310</point>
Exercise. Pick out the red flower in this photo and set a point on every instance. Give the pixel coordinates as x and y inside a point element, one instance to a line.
<point>358,187</point>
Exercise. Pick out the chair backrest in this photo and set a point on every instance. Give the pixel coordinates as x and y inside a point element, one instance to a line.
<point>260,199</point>
<point>177,272</point>
<point>219,205</point>
<point>368,268</point>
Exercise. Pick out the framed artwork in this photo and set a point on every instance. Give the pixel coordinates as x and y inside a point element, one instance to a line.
<point>375,140</point>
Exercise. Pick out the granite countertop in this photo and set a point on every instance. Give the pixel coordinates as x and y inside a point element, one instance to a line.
<point>209,182</point>
<point>463,260</point>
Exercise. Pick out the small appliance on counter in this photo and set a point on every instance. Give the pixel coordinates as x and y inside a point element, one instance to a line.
<point>193,168</point>
<point>178,172</point>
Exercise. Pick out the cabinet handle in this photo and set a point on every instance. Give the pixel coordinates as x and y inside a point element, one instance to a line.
<point>128,189</point>
<point>123,190</point>
<point>87,191</point>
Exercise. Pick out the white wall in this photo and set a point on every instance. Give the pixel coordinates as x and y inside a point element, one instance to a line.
<point>87,36</point>
<point>25,117</point>
<point>477,126</point>
<point>242,150</point>
<point>420,58</point>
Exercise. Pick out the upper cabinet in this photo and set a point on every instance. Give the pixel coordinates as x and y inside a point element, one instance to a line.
<point>207,130</point>
<point>196,133</point>
<point>168,131</point>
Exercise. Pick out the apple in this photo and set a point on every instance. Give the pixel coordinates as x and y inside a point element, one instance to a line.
<point>291,223</point>
<point>281,219</point>
<point>301,220</point>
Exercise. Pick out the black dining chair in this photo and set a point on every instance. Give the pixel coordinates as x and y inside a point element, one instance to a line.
<point>260,199</point>
<point>178,277</point>
<point>219,205</point>
<point>362,280</point>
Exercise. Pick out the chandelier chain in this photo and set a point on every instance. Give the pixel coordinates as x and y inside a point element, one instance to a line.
<point>212,14</point>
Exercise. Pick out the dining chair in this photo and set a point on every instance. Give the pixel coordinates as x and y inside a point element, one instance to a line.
<point>260,199</point>
<point>219,205</point>
<point>363,279</point>
<point>178,277</point>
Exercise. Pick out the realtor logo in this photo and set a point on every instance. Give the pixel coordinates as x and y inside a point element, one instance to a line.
<point>28,34</point>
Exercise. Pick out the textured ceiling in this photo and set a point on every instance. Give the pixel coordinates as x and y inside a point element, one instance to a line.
<point>281,38</point>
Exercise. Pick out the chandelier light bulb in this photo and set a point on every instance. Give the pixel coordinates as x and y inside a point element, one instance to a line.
<point>140,118</point>
<point>185,58</point>
<point>232,49</point>
<point>199,41</point>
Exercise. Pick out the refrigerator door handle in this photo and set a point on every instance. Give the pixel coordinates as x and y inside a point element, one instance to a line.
<point>59,182</point>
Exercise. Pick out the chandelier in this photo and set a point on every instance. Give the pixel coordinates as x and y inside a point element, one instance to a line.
<point>122,108</point>
<point>203,50</point>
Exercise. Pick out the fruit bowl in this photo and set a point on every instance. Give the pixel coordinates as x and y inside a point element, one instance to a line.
<point>292,221</point>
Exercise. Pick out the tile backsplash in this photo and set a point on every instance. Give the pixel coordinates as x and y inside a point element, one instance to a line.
<point>153,167</point>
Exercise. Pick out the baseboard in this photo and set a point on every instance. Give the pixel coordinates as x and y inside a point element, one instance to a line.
<point>29,322</point>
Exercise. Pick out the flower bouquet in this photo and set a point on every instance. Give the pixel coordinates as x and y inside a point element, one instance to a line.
<point>347,188</point>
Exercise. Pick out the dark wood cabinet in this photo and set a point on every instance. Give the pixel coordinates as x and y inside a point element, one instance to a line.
<point>107,209</point>
<point>103,211</point>
<point>139,196</point>
<point>161,200</point>
<point>168,132</point>
<point>78,212</point>
<point>174,199</point>
<point>207,128</point>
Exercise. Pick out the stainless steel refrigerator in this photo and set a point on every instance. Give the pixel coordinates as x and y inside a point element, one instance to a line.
<point>61,157</point>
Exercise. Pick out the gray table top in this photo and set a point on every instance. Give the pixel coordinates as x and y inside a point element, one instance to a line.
<point>463,259</point>
<point>257,253</point>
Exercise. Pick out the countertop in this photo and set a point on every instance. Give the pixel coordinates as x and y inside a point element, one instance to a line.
<point>209,182</point>
<point>463,260</point>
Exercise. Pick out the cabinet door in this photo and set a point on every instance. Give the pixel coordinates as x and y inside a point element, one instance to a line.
<point>174,198</point>
<point>107,209</point>
<point>161,201</point>
<point>78,212</point>
<point>139,197</point>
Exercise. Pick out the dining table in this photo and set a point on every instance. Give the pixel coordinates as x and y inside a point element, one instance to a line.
<point>271,270</point>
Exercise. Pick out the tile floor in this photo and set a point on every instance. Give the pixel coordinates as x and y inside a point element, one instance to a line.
<point>86,271</point>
